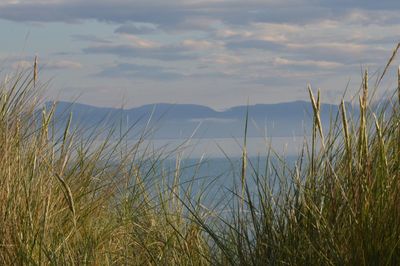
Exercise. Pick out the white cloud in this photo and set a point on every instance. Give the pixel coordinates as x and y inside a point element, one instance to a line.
<point>275,44</point>
<point>228,33</point>
<point>222,59</point>
<point>63,64</point>
<point>50,65</point>
<point>213,120</point>
<point>22,64</point>
<point>140,42</point>
<point>200,44</point>
<point>313,63</point>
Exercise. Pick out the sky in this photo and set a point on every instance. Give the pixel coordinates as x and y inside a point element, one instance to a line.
<point>218,53</point>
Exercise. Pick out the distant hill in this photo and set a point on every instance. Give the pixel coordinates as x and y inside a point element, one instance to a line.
<point>181,120</point>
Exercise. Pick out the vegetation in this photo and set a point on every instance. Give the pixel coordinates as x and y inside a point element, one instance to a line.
<point>71,201</point>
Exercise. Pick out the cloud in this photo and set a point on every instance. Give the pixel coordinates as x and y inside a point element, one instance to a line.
<point>222,59</point>
<point>362,4</point>
<point>140,42</point>
<point>48,65</point>
<point>101,10</point>
<point>88,38</point>
<point>136,71</point>
<point>306,63</point>
<point>254,44</point>
<point>213,120</point>
<point>163,53</point>
<point>200,44</point>
<point>62,64</point>
<point>154,72</point>
<point>307,69</point>
<point>141,16</point>
<point>170,13</point>
<point>267,44</point>
<point>345,53</point>
<point>136,29</point>
<point>22,64</point>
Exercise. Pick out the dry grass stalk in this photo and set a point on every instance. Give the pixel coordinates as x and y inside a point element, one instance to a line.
<point>35,71</point>
<point>363,138</point>
<point>68,196</point>
<point>316,105</point>
<point>347,139</point>
<point>381,143</point>
<point>398,96</point>
<point>398,84</point>
<point>389,62</point>
<point>244,157</point>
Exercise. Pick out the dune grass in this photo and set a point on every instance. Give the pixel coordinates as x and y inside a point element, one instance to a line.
<point>65,200</point>
<point>68,201</point>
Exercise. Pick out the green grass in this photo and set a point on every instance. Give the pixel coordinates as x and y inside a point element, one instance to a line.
<point>65,200</point>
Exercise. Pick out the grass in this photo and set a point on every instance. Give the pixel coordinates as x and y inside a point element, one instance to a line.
<point>66,200</point>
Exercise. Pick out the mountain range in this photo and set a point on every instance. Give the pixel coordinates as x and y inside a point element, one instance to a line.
<point>171,121</point>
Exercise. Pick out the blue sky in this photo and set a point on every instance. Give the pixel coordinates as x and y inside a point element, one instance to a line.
<point>212,52</point>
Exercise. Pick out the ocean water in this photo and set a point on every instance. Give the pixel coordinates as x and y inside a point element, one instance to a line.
<point>210,170</point>
<point>215,181</point>
<point>228,147</point>
<point>210,160</point>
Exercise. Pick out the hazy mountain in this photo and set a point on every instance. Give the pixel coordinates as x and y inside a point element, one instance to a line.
<point>181,120</point>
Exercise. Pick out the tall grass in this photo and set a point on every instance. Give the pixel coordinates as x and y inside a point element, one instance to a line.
<point>66,200</point>
<point>69,200</point>
<point>338,206</point>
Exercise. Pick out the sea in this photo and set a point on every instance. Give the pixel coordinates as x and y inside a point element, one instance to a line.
<point>210,170</point>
